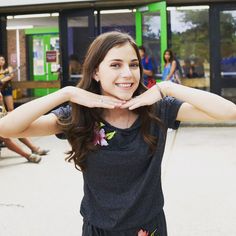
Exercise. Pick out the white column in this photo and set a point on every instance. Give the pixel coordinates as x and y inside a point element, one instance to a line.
<point>18,53</point>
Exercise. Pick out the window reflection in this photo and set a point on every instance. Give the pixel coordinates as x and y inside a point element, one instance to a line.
<point>190,43</point>
<point>151,27</point>
<point>78,41</point>
<point>228,43</point>
<point>124,22</point>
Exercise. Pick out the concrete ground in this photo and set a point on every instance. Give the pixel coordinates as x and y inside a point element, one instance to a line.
<point>199,173</point>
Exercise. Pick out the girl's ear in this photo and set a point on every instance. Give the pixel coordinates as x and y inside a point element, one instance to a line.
<point>95,76</point>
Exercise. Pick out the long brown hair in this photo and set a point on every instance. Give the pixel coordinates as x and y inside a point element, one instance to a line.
<point>80,131</point>
<point>5,66</point>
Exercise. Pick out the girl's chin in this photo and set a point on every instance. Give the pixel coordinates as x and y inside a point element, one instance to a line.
<point>125,97</point>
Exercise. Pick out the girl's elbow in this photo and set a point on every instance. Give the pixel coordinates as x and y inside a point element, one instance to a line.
<point>3,131</point>
<point>232,115</point>
<point>3,134</point>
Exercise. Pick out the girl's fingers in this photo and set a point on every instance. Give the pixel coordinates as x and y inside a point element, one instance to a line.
<point>133,103</point>
<point>108,102</point>
<point>128,104</point>
<point>134,106</point>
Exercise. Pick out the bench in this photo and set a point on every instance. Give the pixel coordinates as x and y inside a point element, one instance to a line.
<point>36,84</point>
<point>19,85</point>
<point>201,83</point>
<point>196,83</point>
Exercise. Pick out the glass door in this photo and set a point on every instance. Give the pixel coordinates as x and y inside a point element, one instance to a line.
<point>77,31</point>
<point>223,50</point>
<point>228,51</point>
<point>151,32</point>
<point>45,51</point>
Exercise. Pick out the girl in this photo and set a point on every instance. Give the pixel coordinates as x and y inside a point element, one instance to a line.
<point>117,131</point>
<point>6,76</point>
<point>170,67</point>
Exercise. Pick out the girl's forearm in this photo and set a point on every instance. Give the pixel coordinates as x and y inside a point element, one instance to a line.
<point>147,72</point>
<point>19,119</point>
<point>8,78</point>
<point>211,104</point>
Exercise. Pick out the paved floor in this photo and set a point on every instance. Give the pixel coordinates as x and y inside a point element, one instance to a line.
<point>199,173</point>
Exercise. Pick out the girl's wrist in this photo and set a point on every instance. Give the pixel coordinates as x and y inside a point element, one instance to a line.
<point>159,90</point>
<point>165,88</point>
<point>67,92</point>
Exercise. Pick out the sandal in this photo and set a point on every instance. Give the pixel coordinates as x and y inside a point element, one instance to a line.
<point>34,158</point>
<point>41,152</point>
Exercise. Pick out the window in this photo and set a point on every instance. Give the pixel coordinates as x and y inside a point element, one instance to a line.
<point>190,43</point>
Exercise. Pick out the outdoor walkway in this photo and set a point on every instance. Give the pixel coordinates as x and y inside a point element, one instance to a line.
<point>199,182</point>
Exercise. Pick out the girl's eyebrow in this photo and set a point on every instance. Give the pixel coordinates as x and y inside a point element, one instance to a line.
<point>120,60</point>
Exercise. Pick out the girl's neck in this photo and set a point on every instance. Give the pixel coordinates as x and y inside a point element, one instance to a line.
<point>120,118</point>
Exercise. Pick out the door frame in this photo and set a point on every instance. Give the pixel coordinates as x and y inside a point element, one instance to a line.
<point>63,32</point>
<point>153,7</point>
<point>3,36</point>
<point>216,81</point>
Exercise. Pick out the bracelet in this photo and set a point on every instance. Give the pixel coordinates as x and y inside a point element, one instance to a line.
<point>162,95</point>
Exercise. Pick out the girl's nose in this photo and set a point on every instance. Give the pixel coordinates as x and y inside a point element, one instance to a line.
<point>126,72</point>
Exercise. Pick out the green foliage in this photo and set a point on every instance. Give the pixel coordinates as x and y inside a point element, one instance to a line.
<point>194,42</point>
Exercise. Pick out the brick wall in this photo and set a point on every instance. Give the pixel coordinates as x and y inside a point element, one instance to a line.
<point>11,49</point>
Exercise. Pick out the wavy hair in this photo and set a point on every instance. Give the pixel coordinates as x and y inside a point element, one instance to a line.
<point>80,130</point>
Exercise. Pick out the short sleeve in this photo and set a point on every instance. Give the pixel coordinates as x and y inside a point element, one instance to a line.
<point>168,109</point>
<point>62,113</point>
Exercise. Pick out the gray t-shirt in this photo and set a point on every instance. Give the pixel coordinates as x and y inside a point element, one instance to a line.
<point>122,182</point>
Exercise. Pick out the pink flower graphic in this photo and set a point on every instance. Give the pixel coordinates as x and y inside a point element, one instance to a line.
<point>143,233</point>
<point>100,138</point>
<point>146,233</point>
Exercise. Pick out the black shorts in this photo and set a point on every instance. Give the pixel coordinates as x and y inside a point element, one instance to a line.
<point>7,91</point>
<point>158,225</point>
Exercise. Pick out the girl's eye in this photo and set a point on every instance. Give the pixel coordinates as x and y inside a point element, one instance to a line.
<point>115,65</point>
<point>134,65</point>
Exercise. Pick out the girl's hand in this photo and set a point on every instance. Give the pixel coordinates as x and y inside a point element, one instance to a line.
<point>149,97</point>
<point>88,99</point>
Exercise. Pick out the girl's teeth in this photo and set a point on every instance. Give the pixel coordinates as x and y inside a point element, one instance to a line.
<point>124,85</point>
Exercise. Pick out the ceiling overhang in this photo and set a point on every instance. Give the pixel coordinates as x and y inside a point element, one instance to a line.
<point>57,7</point>
<point>95,4</point>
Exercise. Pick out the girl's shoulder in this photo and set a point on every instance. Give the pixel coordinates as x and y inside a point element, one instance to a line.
<point>9,69</point>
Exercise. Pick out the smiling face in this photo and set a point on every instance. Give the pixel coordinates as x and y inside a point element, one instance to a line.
<point>119,72</point>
